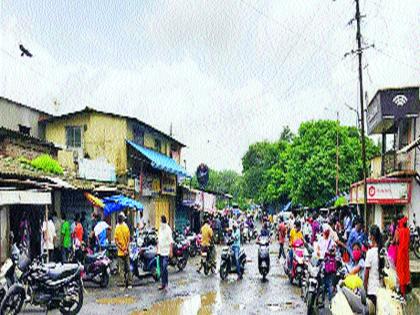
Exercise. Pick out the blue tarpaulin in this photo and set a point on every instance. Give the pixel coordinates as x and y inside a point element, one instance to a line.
<point>160,161</point>
<point>118,203</point>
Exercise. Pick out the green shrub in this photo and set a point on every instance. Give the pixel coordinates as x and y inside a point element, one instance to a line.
<point>47,164</point>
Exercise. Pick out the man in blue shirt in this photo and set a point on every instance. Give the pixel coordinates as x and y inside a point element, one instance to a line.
<point>236,247</point>
<point>354,234</point>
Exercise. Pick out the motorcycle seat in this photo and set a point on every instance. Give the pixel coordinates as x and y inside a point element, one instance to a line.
<point>92,257</point>
<point>355,301</point>
<point>62,271</point>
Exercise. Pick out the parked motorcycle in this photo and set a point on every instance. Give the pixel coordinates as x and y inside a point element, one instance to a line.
<point>96,268</point>
<point>53,286</point>
<point>264,256</point>
<point>112,254</point>
<point>228,262</point>
<point>297,264</point>
<point>415,237</point>
<point>180,255</point>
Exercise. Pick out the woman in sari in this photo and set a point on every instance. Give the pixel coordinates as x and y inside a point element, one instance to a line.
<point>403,260</point>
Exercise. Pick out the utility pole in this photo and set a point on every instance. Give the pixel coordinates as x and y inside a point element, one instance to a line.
<point>362,111</point>
<point>337,170</point>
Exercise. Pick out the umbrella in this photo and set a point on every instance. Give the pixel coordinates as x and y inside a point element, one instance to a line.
<point>100,227</point>
<point>94,200</point>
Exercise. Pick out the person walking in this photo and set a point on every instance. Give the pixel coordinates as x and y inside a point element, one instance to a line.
<point>122,240</point>
<point>373,264</point>
<point>403,259</point>
<point>49,234</point>
<point>58,240</point>
<point>164,250</point>
<point>236,247</point>
<point>281,233</point>
<point>66,239</point>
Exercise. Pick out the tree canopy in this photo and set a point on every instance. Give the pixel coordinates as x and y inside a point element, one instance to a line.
<point>300,168</point>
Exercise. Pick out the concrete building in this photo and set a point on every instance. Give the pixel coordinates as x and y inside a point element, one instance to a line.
<point>21,118</point>
<point>122,149</point>
<point>394,184</point>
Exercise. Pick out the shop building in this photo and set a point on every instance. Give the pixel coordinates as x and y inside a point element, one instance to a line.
<point>126,151</point>
<point>393,186</point>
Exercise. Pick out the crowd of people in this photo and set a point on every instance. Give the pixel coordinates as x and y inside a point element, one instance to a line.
<point>344,233</point>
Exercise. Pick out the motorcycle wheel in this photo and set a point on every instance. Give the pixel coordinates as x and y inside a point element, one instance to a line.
<point>311,303</point>
<point>13,300</point>
<point>416,248</point>
<point>104,279</point>
<point>223,271</point>
<point>74,307</point>
<point>193,251</point>
<point>182,263</point>
<point>206,269</point>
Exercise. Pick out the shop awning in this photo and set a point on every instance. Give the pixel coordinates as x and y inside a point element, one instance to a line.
<point>118,203</point>
<point>160,161</point>
<point>410,147</point>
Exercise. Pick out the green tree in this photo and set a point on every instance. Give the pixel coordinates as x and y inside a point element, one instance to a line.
<point>259,158</point>
<point>311,167</point>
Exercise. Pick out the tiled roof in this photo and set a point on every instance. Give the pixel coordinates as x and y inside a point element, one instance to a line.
<point>15,168</point>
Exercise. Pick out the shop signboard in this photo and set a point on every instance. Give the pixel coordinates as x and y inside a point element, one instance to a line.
<point>382,191</point>
<point>99,170</point>
<point>150,184</point>
<point>168,184</point>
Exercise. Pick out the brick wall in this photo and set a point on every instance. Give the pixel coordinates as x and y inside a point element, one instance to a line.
<point>24,148</point>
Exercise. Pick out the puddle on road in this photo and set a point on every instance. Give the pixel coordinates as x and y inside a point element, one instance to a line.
<point>204,304</point>
<point>120,300</point>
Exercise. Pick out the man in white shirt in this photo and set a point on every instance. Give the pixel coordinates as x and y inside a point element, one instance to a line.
<point>49,234</point>
<point>164,250</point>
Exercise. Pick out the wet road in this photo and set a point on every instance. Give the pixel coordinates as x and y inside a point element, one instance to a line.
<point>193,293</point>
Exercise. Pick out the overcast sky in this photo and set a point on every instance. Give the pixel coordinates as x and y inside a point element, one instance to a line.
<point>225,73</point>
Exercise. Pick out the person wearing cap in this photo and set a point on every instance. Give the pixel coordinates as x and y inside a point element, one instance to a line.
<point>122,240</point>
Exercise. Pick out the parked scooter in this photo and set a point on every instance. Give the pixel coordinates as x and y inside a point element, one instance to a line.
<point>228,262</point>
<point>96,267</point>
<point>297,264</point>
<point>7,272</point>
<point>264,256</point>
<point>52,286</point>
<point>143,260</point>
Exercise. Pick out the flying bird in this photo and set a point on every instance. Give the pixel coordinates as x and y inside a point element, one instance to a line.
<point>24,51</point>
